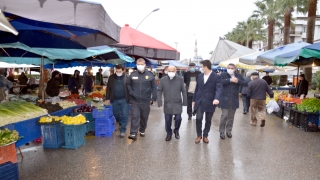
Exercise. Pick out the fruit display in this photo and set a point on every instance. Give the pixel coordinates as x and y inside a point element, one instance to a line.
<point>77,101</point>
<point>16,111</point>
<point>49,119</point>
<point>7,136</point>
<point>73,96</point>
<point>76,120</point>
<point>82,109</point>
<point>275,96</point>
<point>66,104</point>
<point>49,106</point>
<point>311,105</point>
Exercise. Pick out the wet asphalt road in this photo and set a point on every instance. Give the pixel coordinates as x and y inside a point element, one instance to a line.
<point>277,151</point>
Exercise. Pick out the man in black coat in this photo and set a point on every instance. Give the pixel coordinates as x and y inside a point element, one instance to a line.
<point>190,79</point>
<point>243,94</point>
<point>118,94</point>
<point>206,97</point>
<point>52,88</point>
<point>231,81</point>
<point>267,78</point>
<point>303,86</point>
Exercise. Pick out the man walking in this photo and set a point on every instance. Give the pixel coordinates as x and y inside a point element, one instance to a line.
<point>172,87</point>
<point>257,90</point>
<point>229,103</point>
<point>190,79</point>
<point>206,97</point>
<point>117,93</point>
<point>141,84</point>
<point>243,94</point>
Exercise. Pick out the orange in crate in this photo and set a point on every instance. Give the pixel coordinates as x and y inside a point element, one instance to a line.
<point>8,153</point>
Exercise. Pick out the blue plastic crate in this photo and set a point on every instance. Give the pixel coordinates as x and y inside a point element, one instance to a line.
<point>105,122</point>
<point>102,113</point>
<point>104,127</point>
<point>74,136</point>
<point>9,171</point>
<point>90,126</point>
<point>53,136</point>
<point>87,115</point>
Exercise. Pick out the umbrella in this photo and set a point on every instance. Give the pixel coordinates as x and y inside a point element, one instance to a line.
<point>76,13</point>
<point>134,42</point>
<point>177,64</point>
<point>21,54</point>
<point>5,25</point>
<point>226,50</point>
<point>251,59</point>
<point>269,56</point>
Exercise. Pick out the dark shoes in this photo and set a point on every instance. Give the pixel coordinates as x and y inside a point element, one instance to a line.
<point>263,122</point>
<point>198,139</point>
<point>222,136</point>
<point>168,138</point>
<point>244,112</point>
<point>133,137</point>
<point>189,117</point>
<point>229,134</point>
<point>205,140</point>
<point>176,135</point>
<point>142,134</point>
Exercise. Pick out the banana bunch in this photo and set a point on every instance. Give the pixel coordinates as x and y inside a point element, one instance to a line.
<point>50,119</point>
<point>76,120</point>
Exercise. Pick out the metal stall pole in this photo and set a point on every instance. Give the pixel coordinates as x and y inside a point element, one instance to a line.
<point>42,76</point>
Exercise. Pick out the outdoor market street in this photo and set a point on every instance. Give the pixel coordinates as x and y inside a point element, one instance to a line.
<point>277,151</point>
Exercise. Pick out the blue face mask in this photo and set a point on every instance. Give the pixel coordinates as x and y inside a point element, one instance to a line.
<point>192,70</point>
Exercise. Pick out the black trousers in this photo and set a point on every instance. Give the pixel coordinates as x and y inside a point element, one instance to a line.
<point>199,118</point>
<point>189,105</point>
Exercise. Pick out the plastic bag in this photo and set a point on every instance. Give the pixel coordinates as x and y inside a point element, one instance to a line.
<point>272,106</point>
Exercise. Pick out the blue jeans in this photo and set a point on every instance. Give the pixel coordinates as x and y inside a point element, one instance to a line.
<point>121,112</point>
<point>168,122</point>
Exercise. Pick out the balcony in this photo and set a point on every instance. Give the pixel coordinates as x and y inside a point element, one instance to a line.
<point>295,33</point>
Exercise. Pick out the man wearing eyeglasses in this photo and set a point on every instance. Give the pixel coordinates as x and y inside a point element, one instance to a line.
<point>231,81</point>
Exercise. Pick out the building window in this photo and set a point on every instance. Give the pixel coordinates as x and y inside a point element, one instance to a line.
<point>304,29</point>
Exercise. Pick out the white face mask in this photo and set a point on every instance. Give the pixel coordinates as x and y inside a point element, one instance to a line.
<point>119,74</point>
<point>141,68</point>
<point>171,74</point>
<point>230,71</point>
<point>166,72</point>
<point>201,70</point>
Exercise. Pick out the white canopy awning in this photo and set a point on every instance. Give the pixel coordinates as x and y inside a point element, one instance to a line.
<point>5,25</point>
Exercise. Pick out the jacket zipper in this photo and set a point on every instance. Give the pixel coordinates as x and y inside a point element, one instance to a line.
<point>140,86</point>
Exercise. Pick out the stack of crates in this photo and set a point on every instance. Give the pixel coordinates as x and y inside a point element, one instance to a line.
<point>8,163</point>
<point>104,121</point>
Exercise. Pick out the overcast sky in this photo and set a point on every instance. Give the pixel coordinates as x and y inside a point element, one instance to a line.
<point>182,21</point>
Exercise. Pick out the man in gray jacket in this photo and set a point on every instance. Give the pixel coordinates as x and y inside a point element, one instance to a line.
<point>141,84</point>
<point>172,87</point>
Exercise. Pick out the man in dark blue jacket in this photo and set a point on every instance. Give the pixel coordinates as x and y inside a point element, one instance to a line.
<point>141,84</point>
<point>206,97</point>
<point>229,102</point>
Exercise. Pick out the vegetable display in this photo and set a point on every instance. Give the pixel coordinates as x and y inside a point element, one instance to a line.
<point>49,106</point>
<point>311,105</point>
<point>76,120</point>
<point>7,136</point>
<point>49,119</point>
<point>67,104</point>
<point>16,111</point>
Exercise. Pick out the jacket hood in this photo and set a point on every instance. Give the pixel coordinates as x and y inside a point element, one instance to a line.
<point>54,73</point>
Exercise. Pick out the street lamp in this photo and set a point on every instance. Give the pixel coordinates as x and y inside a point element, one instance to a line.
<point>176,50</point>
<point>147,16</point>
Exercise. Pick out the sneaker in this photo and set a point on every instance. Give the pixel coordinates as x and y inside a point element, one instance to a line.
<point>132,136</point>
<point>122,134</point>
<point>142,134</point>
